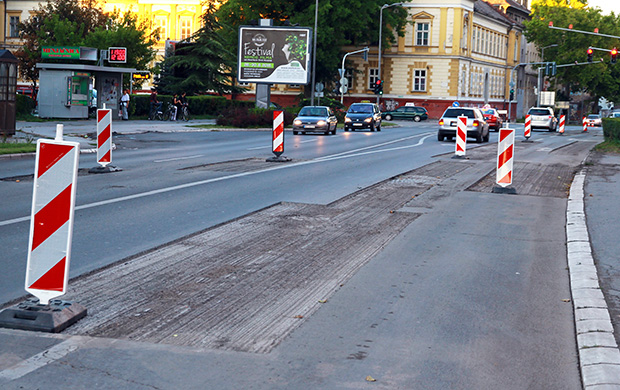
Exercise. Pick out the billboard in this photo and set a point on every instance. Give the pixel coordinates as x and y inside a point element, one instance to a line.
<point>274,55</point>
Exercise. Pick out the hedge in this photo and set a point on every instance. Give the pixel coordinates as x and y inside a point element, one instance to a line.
<point>24,104</point>
<point>611,129</point>
<point>198,105</point>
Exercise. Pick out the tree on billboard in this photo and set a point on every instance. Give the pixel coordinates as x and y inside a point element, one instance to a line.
<point>201,63</point>
<point>598,79</point>
<point>81,23</point>
<point>341,23</point>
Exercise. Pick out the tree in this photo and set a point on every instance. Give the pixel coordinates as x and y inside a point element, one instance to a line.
<point>599,79</point>
<point>202,63</point>
<point>341,23</point>
<point>81,23</point>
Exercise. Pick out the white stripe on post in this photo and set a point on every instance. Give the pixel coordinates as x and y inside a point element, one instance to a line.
<point>505,151</point>
<point>104,136</point>
<point>278,133</point>
<point>528,126</point>
<point>585,124</point>
<point>51,227</point>
<point>461,136</point>
<point>562,123</point>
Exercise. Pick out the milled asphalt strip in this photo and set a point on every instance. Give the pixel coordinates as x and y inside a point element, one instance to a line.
<point>42,359</point>
<point>237,175</point>
<point>599,357</point>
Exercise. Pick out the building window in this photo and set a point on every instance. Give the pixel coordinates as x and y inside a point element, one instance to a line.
<point>421,34</point>
<point>161,22</point>
<point>373,76</point>
<point>186,27</point>
<point>419,80</point>
<point>14,27</point>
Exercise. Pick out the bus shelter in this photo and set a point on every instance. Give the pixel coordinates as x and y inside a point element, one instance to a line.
<point>66,90</point>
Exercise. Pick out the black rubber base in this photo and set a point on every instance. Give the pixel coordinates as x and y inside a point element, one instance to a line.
<point>504,190</point>
<point>278,159</point>
<point>106,169</point>
<point>55,317</point>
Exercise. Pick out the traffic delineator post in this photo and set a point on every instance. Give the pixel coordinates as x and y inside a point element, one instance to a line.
<point>505,157</point>
<point>104,142</point>
<point>585,124</point>
<point>49,245</point>
<point>460,148</point>
<point>277,138</point>
<point>562,124</point>
<point>527,133</point>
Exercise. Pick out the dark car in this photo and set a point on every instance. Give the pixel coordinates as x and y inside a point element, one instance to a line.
<point>406,112</point>
<point>315,119</point>
<point>493,118</point>
<point>477,127</point>
<point>363,116</point>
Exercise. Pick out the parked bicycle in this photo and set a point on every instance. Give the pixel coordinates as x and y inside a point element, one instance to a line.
<point>169,113</point>
<point>157,114</point>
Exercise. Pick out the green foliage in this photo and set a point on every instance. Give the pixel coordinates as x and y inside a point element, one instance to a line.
<point>244,117</point>
<point>198,105</point>
<point>24,105</point>
<point>341,23</point>
<point>599,78</point>
<point>611,129</point>
<point>203,63</point>
<point>82,23</point>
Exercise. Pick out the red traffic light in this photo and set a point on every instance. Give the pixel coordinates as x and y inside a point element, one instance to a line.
<point>614,51</point>
<point>590,51</point>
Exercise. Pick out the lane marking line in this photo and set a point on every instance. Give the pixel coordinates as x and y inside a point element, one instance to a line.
<point>178,158</point>
<point>41,359</point>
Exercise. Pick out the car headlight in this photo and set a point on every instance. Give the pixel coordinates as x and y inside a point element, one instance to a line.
<point>347,119</point>
<point>297,122</point>
<point>368,120</point>
<point>321,123</point>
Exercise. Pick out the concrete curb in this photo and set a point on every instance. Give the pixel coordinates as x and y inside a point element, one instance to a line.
<point>599,356</point>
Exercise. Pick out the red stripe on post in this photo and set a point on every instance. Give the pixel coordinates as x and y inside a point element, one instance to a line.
<point>104,136</point>
<point>53,280</point>
<point>51,217</point>
<point>504,157</point>
<point>49,155</point>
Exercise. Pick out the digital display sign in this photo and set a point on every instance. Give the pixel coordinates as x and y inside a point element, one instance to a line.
<point>117,55</point>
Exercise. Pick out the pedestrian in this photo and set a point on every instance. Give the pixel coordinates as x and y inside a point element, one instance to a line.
<point>176,103</point>
<point>155,103</point>
<point>125,105</point>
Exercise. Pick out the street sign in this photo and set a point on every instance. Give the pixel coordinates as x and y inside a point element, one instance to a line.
<point>318,87</point>
<point>344,81</point>
<point>343,89</point>
<point>341,72</point>
<point>319,94</point>
<point>456,104</point>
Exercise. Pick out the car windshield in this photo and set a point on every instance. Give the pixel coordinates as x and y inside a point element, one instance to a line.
<point>313,111</point>
<point>538,111</point>
<point>593,116</point>
<point>360,108</point>
<point>455,112</point>
<point>488,112</point>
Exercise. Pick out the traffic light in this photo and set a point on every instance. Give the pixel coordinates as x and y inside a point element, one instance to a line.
<point>590,54</point>
<point>337,89</point>
<point>512,95</point>
<point>614,54</point>
<point>379,87</point>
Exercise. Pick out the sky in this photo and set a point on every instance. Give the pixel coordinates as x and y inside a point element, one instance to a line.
<point>606,5</point>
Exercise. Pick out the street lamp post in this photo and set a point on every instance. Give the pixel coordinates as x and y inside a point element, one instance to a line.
<point>539,73</point>
<point>316,18</point>
<point>384,6</point>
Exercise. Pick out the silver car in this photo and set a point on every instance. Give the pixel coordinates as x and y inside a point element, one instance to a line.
<point>312,119</point>
<point>543,117</point>
<point>477,127</point>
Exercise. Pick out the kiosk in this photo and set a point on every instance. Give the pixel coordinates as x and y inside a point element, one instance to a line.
<point>65,90</point>
<point>8,86</point>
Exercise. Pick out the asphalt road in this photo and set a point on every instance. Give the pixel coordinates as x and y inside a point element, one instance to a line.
<point>469,295</point>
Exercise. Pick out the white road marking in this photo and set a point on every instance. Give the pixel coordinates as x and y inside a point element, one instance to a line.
<point>42,359</point>
<point>179,158</point>
<point>352,153</point>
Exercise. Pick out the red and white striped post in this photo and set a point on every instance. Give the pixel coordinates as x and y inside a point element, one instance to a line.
<point>585,124</point>
<point>528,127</point>
<point>277,138</point>
<point>562,124</point>
<point>51,226</point>
<point>461,136</point>
<point>104,136</point>
<point>505,154</point>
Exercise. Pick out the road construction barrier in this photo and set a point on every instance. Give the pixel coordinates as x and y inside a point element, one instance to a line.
<point>461,136</point>
<point>505,151</point>
<point>104,136</point>
<point>585,124</point>
<point>278,133</point>
<point>51,223</point>
<point>528,127</point>
<point>562,124</point>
